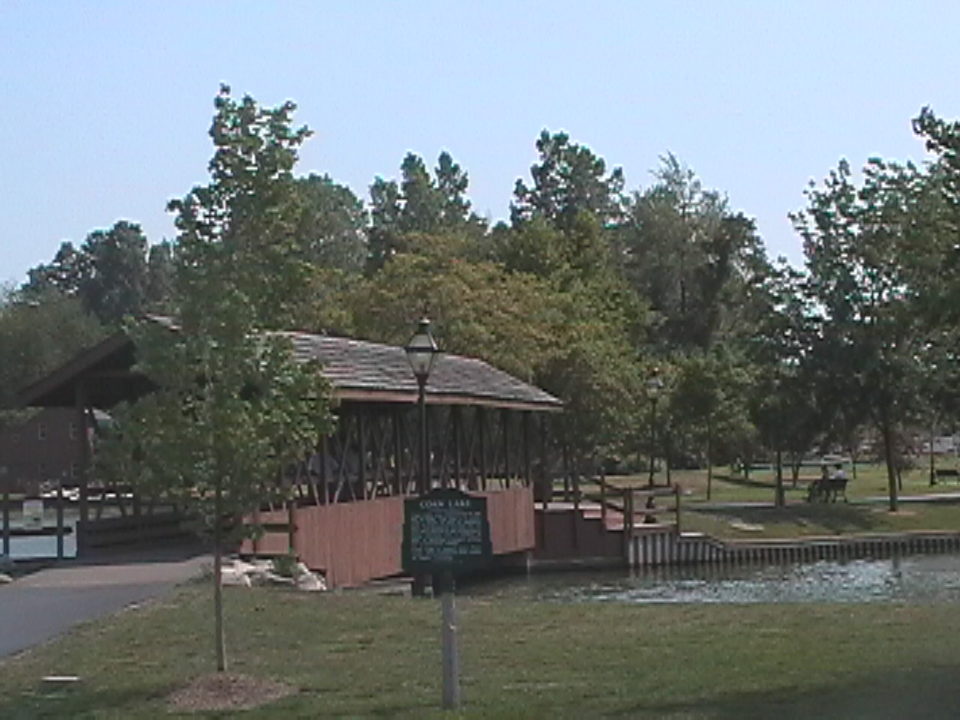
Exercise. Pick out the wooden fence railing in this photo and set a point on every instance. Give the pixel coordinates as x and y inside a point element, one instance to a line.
<point>628,502</point>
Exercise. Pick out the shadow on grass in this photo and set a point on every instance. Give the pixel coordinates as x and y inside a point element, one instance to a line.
<point>914,693</point>
<point>72,702</point>
<point>743,482</point>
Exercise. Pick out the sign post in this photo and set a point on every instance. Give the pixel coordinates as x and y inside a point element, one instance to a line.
<point>445,533</point>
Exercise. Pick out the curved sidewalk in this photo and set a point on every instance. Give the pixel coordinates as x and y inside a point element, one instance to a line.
<point>39,606</point>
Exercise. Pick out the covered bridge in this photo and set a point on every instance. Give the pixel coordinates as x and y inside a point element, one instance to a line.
<point>487,433</point>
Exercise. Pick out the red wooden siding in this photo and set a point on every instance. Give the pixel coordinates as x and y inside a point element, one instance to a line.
<point>358,541</point>
<point>510,513</point>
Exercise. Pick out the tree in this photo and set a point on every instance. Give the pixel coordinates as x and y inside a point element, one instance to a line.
<point>863,244</point>
<point>568,332</point>
<point>109,272</point>
<point>160,270</point>
<point>696,262</point>
<point>421,204</point>
<point>707,405</point>
<point>568,180</point>
<point>332,225</point>
<point>234,408</point>
<point>39,332</point>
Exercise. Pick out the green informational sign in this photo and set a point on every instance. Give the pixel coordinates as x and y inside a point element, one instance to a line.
<point>446,530</point>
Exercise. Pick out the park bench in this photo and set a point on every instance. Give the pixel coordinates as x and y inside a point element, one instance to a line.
<point>946,473</point>
<point>827,489</point>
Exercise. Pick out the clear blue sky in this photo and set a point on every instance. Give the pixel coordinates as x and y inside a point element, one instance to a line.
<point>106,105</point>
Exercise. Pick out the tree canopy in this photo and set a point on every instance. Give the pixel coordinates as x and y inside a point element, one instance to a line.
<point>588,289</point>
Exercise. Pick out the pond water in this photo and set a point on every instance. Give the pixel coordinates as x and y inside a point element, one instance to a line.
<point>43,546</point>
<point>925,579</point>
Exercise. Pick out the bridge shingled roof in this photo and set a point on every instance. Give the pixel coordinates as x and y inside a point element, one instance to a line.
<point>358,365</point>
<point>359,371</point>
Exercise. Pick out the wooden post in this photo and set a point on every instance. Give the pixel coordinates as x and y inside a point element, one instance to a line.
<point>60,518</point>
<point>5,500</point>
<point>709,454</point>
<point>505,429</point>
<point>312,478</point>
<point>668,447</point>
<point>324,484</point>
<point>546,481</point>
<point>429,418</point>
<point>676,492</point>
<point>362,447</point>
<point>292,527</point>
<point>457,449</point>
<point>80,402</point>
<point>575,515</point>
<point>526,447</point>
<point>779,498</point>
<point>628,508</point>
<point>603,503</point>
<point>933,472</point>
<point>576,486</point>
<point>397,453</point>
<point>481,440</point>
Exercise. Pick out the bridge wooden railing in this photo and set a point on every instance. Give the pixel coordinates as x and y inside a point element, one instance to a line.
<point>629,502</point>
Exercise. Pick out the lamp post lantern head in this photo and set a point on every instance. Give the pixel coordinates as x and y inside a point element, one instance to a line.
<point>654,386</point>
<point>421,351</point>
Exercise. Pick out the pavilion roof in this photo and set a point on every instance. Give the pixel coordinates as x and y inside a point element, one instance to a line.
<point>359,371</point>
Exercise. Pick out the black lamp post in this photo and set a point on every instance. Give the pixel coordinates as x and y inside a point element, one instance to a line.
<point>654,386</point>
<point>421,351</point>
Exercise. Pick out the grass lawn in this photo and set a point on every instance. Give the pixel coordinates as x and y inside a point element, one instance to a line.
<point>871,481</point>
<point>366,655</point>
<point>800,518</point>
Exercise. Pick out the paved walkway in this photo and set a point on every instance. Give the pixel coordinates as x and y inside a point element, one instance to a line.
<point>44,604</point>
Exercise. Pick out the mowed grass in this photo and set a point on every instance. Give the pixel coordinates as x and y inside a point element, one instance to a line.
<point>366,655</point>
<point>801,519</point>
<point>870,482</point>
<point>866,512</point>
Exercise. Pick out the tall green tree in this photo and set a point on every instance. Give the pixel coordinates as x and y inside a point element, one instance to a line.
<point>108,273</point>
<point>160,272</point>
<point>39,331</point>
<point>568,179</point>
<point>696,262</point>
<point>861,242</point>
<point>234,408</point>
<point>420,203</point>
<point>332,225</point>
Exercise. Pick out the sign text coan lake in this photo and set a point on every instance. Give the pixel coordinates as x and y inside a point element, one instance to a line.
<point>445,530</point>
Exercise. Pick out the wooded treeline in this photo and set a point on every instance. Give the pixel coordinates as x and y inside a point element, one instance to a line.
<point>590,290</point>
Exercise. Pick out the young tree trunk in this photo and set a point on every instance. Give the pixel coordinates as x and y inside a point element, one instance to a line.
<point>668,447</point>
<point>887,431</point>
<point>780,500</point>
<point>709,455</point>
<point>217,577</point>
<point>933,470</point>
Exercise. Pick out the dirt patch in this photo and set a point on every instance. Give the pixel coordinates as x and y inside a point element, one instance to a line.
<point>228,691</point>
